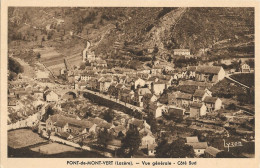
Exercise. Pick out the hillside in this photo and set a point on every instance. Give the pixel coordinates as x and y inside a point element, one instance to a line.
<point>123,34</point>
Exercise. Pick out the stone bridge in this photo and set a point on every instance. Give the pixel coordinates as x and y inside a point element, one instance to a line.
<point>63,93</point>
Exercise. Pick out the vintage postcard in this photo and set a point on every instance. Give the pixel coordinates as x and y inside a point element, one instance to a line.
<point>129,84</point>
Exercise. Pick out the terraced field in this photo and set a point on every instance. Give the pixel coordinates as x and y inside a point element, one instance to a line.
<point>247,79</point>
<point>54,60</point>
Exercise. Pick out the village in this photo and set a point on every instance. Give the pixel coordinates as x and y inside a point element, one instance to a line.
<point>94,107</point>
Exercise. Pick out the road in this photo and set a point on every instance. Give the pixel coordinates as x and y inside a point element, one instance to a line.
<point>140,109</point>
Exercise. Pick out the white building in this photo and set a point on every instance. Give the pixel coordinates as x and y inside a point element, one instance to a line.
<point>198,147</point>
<point>51,96</point>
<point>212,103</point>
<point>197,109</point>
<point>147,140</point>
<point>245,68</point>
<point>139,82</point>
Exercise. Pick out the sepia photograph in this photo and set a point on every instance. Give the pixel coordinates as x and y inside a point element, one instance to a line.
<point>130,82</point>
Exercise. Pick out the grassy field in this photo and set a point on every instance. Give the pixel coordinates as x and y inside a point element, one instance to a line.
<point>22,138</point>
<point>54,148</point>
<point>247,79</point>
<point>28,153</point>
<point>19,142</point>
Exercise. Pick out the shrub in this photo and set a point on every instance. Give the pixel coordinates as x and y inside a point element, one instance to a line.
<point>15,66</point>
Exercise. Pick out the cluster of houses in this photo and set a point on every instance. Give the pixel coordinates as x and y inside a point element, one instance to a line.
<point>145,89</point>
<point>35,94</point>
<point>202,148</point>
<point>70,128</point>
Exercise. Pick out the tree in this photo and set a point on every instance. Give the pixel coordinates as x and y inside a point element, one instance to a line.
<point>49,111</point>
<point>49,36</point>
<point>231,106</point>
<point>108,115</point>
<point>82,66</point>
<point>12,76</point>
<point>104,137</point>
<point>200,136</point>
<point>81,142</point>
<point>49,133</point>
<point>177,149</point>
<point>131,142</point>
<point>155,49</point>
<point>152,122</point>
<point>88,112</point>
<point>224,154</point>
<point>161,148</point>
<point>170,58</point>
<point>43,39</point>
<point>38,55</point>
<point>15,66</point>
<point>242,98</point>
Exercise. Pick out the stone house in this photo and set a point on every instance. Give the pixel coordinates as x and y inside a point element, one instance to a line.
<point>199,95</point>
<point>212,103</point>
<point>209,73</point>
<point>197,109</point>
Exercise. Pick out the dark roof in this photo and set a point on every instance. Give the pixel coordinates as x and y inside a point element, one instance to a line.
<point>195,83</point>
<point>137,122</point>
<point>191,68</point>
<point>148,96</point>
<point>96,120</point>
<point>153,78</point>
<point>196,105</point>
<point>105,125</point>
<point>208,69</point>
<point>64,134</point>
<point>199,93</point>
<point>88,73</point>
<point>175,110</point>
<point>187,88</point>
<point>198,145</point>
<point>115,142</point>
<point>126,91</point>
<point>212,151</point>
<point>61,120</point>
<point>105,80</point>
<point>153,106</point>
<point>119,128</point>
<point>119,86</point>
<point>209,99</point>
<point>185,96</point>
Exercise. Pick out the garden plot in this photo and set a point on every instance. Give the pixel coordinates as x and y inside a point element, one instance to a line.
<point>22,138</point>
<point>54,148</point>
